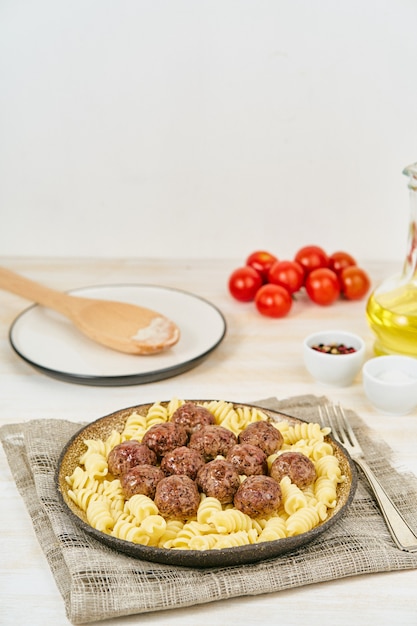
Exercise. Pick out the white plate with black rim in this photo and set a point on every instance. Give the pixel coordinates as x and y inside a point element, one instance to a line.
<point>52,345</point>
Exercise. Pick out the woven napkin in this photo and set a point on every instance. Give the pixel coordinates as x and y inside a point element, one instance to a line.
<point>98,583</point>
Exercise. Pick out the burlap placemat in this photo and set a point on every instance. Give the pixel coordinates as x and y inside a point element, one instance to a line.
<point>97,583</point>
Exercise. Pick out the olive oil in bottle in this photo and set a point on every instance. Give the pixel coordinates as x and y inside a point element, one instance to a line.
<point>392,308</point>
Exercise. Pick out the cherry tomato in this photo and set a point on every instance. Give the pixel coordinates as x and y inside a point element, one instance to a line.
<point>273,301</point>
<point>339,260</point>
<point>288,274</point>
<point>322,286</point>
<point>261,261</point>
<point>355,282</point>
<point>311,258</point>
<point>244,282</point>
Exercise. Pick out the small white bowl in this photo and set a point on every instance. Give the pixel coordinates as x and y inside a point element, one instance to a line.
<point>334,369</point>
<point>390,383</point>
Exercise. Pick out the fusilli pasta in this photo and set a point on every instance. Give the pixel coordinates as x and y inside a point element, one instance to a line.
<point>137,519</point>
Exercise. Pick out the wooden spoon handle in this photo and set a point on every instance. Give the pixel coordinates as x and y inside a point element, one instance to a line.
<point>33,291</point>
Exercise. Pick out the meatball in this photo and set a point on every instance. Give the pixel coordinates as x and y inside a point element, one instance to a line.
<point>219,479</point>
<point>297,466</point>
<point>177,496</point>
<point>182,460</point>
<point>162,438</point>
<point>141,479</point>
<point>212,441</point>
<point>264,435</point>
<point>127,454</point>
<point>258,496</point>
<point>192,416</point>
<point>248,459</point>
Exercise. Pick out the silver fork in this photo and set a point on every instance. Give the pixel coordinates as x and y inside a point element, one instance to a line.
<point>401,532</point>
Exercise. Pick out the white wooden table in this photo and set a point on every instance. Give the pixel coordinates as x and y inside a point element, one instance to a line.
<point>259,358</point>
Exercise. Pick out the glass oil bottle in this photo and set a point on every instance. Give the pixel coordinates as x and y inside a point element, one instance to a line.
<point>392,308</point>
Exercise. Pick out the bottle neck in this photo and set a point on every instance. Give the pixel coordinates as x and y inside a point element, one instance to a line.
<point>410,264</point>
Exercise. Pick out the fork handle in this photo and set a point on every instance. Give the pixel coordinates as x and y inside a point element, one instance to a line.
<point>400,530</point>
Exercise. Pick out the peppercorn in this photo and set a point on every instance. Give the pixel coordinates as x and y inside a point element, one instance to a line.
<point>334,348</point>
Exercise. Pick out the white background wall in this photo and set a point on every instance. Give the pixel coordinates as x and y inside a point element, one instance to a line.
<point>206,127</point>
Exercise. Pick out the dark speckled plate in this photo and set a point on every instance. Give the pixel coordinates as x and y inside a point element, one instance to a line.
<point>101,428</point>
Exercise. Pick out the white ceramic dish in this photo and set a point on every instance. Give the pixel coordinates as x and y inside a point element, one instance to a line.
<point>52,345</point>
<point>333,369</point>
<point>390,383</point>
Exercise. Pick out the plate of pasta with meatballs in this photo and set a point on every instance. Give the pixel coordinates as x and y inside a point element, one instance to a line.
<point>204,483</point>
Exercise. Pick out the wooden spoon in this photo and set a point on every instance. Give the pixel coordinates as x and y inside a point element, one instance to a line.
<point>118,325</point>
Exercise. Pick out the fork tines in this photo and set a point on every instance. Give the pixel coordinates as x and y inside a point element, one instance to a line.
<point>341,428</point>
